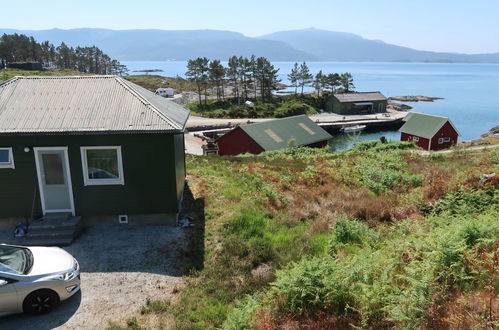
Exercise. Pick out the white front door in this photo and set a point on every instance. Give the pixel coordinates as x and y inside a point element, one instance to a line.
<point>54,179</point>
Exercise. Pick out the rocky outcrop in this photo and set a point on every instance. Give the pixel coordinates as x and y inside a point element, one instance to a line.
<point>398,106</point>
<point>493,133</point>
<point>415,98</point>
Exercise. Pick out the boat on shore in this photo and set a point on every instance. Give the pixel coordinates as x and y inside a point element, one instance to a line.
<point>352,129</point>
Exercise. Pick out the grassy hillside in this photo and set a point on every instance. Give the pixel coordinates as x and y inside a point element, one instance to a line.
<point>373,237</point>
<point>153,82</point>
<point>277,107</point>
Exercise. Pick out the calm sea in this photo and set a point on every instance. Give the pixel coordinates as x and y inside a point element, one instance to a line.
<point>470,91</point>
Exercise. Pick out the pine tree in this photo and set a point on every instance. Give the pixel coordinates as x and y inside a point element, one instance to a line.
<point>318,82</point>
<point>217,74</point>
<point>195,73</point>
<point>304,76</point>
<point>332,81</point>
<point>346,80</point>
<point>294,77</point>
<point>233,75</point>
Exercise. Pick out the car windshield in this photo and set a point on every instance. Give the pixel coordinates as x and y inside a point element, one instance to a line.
<point>15,260</point>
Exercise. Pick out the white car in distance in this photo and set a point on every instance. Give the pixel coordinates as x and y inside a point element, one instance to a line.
<point>35,280</point>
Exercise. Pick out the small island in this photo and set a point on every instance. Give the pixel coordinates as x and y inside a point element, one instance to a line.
<point>415,98</point>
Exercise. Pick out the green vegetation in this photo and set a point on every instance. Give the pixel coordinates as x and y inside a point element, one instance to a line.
<point>300,76</point>
<point>245,76</point>
<point>373,237</point>
<point>6,74</point>
<point>277,107</point>
<point>153,82</point>
<point>18,48</point>
<point>255,79</point>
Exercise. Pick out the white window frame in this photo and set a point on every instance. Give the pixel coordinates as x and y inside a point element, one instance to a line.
<point>440,140</point>
<point>415,138</point>
<point>446,139</point>
<point>102,182</point>
<point>10,164</point>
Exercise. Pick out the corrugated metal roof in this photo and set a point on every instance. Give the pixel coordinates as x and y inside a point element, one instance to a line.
<point>84,104</point>
<point>360,97</point>
<point>275,134</point>
<point>423,125</point>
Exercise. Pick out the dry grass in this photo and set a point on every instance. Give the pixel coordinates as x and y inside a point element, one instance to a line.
<point>265,320</point>
<point>324,203</point>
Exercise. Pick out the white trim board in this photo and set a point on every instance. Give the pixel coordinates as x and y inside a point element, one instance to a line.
<point>11,164</point>
<point>68,174</point>
<point>102,182</point>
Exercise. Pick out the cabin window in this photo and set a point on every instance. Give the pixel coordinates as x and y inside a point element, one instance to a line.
<point>6,158</point>
<point>415,138</point>
<point>102,165</point>
<point>447,139</point>
<point>443,140</point>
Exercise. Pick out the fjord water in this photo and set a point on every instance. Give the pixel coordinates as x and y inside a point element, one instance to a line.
<point>470,91</point>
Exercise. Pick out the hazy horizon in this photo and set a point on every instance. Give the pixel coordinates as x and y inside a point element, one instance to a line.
<point>309,28</point>
<point>445,26</point>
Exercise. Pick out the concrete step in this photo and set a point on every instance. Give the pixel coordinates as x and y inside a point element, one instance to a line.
<point>55,224</point>
<point>43,234</point>
<point>57,216</point>
<point>52,231</point>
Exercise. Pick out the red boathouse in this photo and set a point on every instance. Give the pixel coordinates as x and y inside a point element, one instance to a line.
<point>297,131</point>
<point>430,132</point>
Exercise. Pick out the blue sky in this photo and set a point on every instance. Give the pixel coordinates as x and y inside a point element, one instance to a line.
<point>470,26</point>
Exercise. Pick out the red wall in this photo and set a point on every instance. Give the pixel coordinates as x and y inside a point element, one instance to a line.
<point>423,142</point>
<point>446,131</point>
<point>237,142</point>
<point>320,144</point>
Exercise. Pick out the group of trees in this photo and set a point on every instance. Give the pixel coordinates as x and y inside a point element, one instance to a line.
<point>21,48</point>
<point>247,77</point>
<point>301,77</point>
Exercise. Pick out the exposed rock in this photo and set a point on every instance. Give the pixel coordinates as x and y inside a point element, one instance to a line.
<point>415,98</point>
<point>398,106</point>
<point>493,133</point>
<point>264,271</point>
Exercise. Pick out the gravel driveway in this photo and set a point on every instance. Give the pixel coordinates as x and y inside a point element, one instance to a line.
<point>121,267</point>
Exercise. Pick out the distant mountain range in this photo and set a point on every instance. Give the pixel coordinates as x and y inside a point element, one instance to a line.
<point>296,45</point>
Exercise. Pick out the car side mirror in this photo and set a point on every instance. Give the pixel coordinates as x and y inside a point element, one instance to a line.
<point>3,282</point>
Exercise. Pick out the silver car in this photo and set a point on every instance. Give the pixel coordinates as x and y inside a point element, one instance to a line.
<point>35,279</point>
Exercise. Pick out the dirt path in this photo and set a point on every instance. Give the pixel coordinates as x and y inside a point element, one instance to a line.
<point>459,149</point>
<point>121,268</point>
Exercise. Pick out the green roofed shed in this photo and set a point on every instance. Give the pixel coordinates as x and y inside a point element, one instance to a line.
<point>422,124</point>
<point>273,135</point>
<point>430,132</point>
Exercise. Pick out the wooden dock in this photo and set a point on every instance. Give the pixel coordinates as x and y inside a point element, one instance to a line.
<point>330,121</point>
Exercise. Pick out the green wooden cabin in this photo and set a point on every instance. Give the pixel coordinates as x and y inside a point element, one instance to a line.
<point>94,146</point>
<point>360,103</point>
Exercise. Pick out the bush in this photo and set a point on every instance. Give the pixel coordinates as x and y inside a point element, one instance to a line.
<point>240,316</point>
<point>277,107</point>
<point>305,286</point>
<point>349,231</point>
<point>381,172</point>
<point>393,282</point>
<point>467,201</point>
<point>293,108</point>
